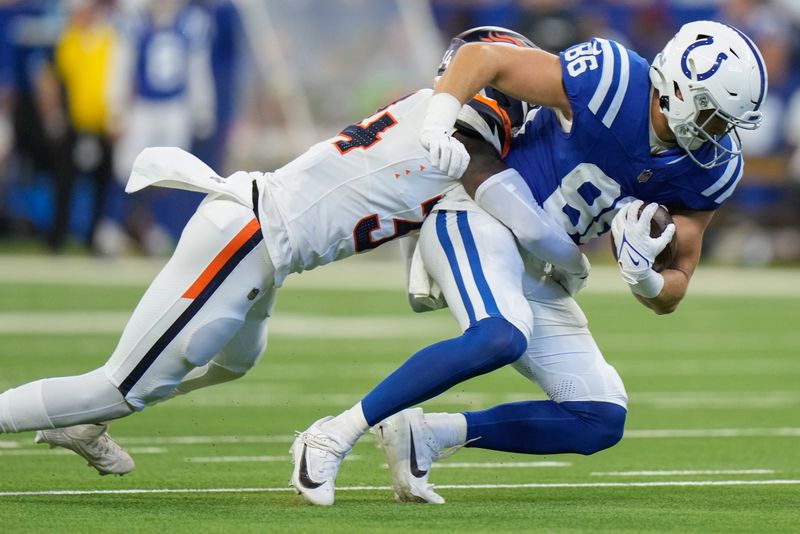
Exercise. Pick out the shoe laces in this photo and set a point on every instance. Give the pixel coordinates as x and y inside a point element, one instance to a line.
<point>329,444</point>
<point>102,445</point>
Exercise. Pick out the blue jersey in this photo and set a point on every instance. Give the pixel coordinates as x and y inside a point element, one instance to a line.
<point>581,175</point>
<point>163,53</point>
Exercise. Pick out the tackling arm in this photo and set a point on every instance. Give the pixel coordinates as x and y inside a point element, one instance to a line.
<point>689,227</point>
<point>528,74</point>
<point>503,193</point>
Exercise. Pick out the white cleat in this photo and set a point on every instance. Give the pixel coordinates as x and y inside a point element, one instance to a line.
<point>316,456</point>
<point>93,443</point>
<point>410,448</point>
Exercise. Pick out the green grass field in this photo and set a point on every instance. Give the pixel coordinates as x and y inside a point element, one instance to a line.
<point>712,444</point>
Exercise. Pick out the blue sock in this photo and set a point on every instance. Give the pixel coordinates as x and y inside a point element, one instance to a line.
<point>547,427</point>
<point>487,345</point>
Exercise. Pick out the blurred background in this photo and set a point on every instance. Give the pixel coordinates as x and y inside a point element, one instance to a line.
<point>249,84</point>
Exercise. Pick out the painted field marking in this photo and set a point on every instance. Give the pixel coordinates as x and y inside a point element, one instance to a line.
<point>501,465</point>
<point>713,433</point>
<point>556,485</point>
<point>238,459</point>
<point>283,324</point>
<point>683,472</point>
<point>383,270</point>
<point>146,441</point>
<point>41,451</point>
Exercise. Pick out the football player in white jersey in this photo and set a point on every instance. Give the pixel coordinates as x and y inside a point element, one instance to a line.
<point>614,129</point>
<point>203,320</point>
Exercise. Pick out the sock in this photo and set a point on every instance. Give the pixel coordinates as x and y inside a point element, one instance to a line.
<point>450,429</point>
<point>23,407</point>
<point>546,427</point>
<point>348,425</point>
<point>61,402</point>
<point>487,345</point>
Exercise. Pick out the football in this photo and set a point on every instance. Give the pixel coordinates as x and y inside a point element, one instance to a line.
<point>661,219</point>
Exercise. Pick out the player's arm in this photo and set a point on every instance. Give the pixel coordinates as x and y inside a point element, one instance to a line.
<point>501,191</point>
<point>689,228</point>
<point>528,74</point>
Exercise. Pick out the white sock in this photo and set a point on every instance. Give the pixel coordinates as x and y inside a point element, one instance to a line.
<point>61,402</point>
<point>23,408</point>
<point>348,425</point>
<point>450,429</point>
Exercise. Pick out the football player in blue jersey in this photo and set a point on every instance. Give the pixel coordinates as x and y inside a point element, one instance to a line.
<point>611,129</point>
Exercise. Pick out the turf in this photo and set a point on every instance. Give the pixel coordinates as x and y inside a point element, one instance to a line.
<point>714,400</point>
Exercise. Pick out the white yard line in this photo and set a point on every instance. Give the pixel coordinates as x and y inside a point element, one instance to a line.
<point>498,465</point>
<point>693,472</point>
<point>41,451</point>
<point>246,459</point>
<point>789,432</point>
<point>381,270</point>
<point>555,485</point>
<point>7,446</point>
<point>283,324</point>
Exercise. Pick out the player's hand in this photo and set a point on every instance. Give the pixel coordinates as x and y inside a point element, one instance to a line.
<point>636,250</point>
<point>572,282</point>
<point>446,152</point>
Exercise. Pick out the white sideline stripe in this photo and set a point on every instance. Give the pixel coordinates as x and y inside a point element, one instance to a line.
<point>286,324</point>
<point>235,459</point>
<point>204,440</point>
<point>713,433</point>
<point>381,271</point>
<point>288,438</point>
<point>41,451</point>
<point>684,472</point>
<point>501,465</point>
<point>242,459</point>
<point>556,485</point>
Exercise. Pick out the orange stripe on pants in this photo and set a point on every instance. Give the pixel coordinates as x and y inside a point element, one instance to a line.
<point>213,268</point>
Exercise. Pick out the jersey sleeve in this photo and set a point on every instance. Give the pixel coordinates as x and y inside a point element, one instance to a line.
<point>721,181</point>
<point>603,83</point>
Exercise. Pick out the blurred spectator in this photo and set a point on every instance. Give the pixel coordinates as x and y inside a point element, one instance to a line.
<point>82,59</point>
<point>31,97</point>
<point>162,94</point>
<point>747,227</point>
<point>227,54</point>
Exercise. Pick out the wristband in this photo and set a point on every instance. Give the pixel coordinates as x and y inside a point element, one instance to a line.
<point>442,113</point>
<point>649,285</point>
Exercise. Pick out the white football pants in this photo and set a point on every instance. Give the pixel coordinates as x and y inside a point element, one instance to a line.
<point>476,262</point>
<point>205,312</point>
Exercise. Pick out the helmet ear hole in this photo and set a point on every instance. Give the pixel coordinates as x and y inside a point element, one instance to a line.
<point>677,91</point>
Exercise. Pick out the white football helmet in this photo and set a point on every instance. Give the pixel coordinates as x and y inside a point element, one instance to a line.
<point>715,67</point>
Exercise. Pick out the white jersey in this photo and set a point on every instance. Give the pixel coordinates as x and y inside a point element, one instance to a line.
<point>369,184</point>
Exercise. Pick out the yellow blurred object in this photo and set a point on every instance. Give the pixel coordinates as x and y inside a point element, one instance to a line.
<point>82,60</point>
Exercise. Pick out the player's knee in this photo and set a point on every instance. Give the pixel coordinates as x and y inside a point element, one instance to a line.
<point>208,339</point>
<point>497,342</point>
<point>605,424</point>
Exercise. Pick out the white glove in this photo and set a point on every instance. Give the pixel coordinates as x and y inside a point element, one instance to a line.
<point>445,151</point>
<point>572,282</point>
<point>636,250</point>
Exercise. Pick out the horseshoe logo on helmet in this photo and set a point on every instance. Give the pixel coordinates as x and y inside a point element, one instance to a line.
<point>722,56</point>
